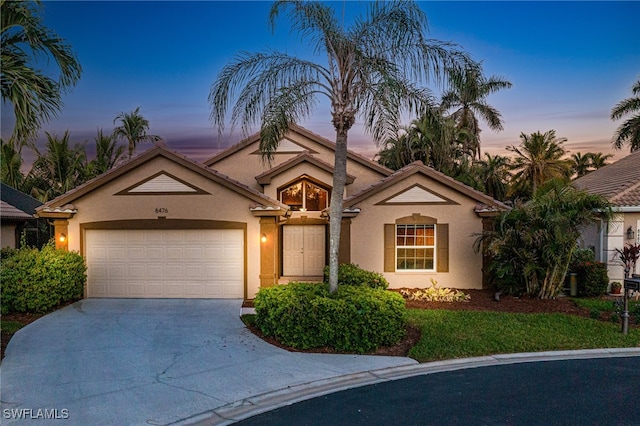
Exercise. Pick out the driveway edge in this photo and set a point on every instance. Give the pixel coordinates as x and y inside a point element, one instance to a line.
<point>268,401</point>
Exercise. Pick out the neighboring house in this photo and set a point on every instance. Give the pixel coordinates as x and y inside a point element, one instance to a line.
<point>162,225</point>
<point>619,183</point>
<point>16,215</point>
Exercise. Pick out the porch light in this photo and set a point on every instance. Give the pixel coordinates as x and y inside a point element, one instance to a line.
<point>630,233</point>
<point>263,238</point>
<point>62,238</point>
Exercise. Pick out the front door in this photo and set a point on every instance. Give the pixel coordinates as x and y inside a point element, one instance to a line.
<point>303,249</point>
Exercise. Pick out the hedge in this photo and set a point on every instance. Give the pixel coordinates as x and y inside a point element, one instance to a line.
<point>355,319</point>
<point>592,278</point>
<point>38,281</point>
<point>351,274</point>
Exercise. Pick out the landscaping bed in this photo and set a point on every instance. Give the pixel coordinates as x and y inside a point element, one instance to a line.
<point>481,300</point>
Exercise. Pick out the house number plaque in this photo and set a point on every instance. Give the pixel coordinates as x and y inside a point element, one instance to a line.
<point>162,210</point>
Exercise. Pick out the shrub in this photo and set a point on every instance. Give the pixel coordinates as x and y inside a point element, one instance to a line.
<point>355,319</point>
<point>592,278</point>
<point>435,294</point>
<point>37,281</point>
<point>350,274</point>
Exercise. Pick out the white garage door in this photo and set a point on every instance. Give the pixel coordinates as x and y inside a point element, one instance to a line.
<point>205,263</point>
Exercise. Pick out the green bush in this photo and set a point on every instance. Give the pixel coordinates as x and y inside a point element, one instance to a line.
<point>592,278</point>
<point>37,281</point>
<point>355,319</point>
<point>350,274</point>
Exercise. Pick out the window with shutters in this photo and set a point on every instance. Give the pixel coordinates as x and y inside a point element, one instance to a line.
<point>415,247</point>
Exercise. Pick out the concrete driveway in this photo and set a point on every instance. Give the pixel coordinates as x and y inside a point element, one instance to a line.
<point>151,361</point>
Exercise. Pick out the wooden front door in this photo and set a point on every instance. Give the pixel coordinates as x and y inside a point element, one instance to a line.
<point>303,250</point>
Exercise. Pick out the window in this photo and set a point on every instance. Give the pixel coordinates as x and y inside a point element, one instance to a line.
<point>415,247</point>
<point>304,195</point>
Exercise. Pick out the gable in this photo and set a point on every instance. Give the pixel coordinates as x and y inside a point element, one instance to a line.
<point>243,162</point>
<point>162,183</point>
<point>417,194</point>
<point>287,146</point>
<point>159,172</point>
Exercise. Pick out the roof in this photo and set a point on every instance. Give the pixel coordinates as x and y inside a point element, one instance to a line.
<point>486,202</point>
<point>8,212</point>
<point>618,182</point>
<point>308,134</point>
<point>304,157</point>
<point>155,152</point>
<point>18,200</point>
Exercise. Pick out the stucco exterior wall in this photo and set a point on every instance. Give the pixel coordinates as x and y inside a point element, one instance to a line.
<point>244,165</point>
<point>221,204</point>
<point>465,265</point>
<point>8,235</point>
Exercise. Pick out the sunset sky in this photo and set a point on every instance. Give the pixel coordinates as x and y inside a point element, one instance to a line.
<point>569,62</point>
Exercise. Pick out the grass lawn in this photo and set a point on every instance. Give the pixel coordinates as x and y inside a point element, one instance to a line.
<point>10,326</point>
<point>460,334</point>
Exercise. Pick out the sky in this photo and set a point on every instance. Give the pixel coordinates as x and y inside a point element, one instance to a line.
<point>569,63</point>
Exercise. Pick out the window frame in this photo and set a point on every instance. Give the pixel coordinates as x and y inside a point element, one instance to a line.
<point>305,180</point>
<point>433,247</point>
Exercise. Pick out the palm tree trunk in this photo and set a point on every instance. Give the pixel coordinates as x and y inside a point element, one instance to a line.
<point>335,209</point>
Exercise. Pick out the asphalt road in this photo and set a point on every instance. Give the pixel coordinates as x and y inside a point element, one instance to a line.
<point>604,391</point>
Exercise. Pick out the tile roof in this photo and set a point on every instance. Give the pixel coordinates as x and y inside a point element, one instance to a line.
<point>7,211</point>
<point>18,199</point>
<point>618,182</point>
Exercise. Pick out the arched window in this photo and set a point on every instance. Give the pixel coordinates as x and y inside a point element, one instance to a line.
<point>304,195</point>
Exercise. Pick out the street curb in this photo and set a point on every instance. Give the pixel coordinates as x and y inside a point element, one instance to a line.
<point>268,401</point>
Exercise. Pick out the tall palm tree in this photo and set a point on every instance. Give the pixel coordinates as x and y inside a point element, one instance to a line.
<point>370,72</point>
<point>59,169</point>
<point>11,161</point>
<point>629,131</point>
<point>467,94</point>
<point>133,127</point>
<point>108,153</point>
<point>34,96</point>
<point>539,159</point>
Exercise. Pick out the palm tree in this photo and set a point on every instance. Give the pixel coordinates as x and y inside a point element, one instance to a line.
<point>108,153</point>
<point>584,164</point>
<point>538,159</point>
<point>34,96</point>
<point>494,173</point>
<point>11,161</point>
<point>629,131</point>
<point>581,164</point>
<point>370,71</point>
<point>58,170</point>
<point>599,160</point>
<point>468,94</point>
<point>531,245</point>
<point>133,127</point>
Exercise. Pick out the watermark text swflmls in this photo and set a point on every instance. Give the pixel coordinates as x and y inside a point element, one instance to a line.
<point>35,414</point>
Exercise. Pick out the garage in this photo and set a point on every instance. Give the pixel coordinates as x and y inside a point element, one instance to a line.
<point>165,263</point>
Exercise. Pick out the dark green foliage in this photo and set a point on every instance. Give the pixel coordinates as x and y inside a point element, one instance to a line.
<point>592,278</point>
<point>531,245</point>
<point>350,274</point>
<point>354,319</point>
<point>37,281</point>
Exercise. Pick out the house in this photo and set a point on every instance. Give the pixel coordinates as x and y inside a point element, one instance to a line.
<point>16,215</point>
<point>619,183</point>
<point>162,225</point>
